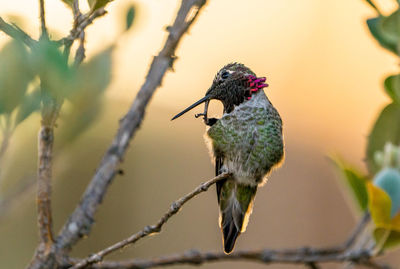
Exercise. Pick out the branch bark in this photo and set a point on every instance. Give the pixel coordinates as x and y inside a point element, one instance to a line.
<point>148,230</point>
<point>43,27</point>
<point>16,33</point>
<point>81,220</point>
<point>44,185</point>
<point>44,255</point>
<point>306,255</point>
<point>300,256</point>
<point>80,24</point>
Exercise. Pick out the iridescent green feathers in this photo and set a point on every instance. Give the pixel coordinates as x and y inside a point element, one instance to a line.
<point>246,142</point>
<point>250,138</point>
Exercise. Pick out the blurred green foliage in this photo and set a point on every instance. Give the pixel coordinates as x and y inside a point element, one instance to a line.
<point>83,86</point>
<point>93,4</point>
<point>379,192</point>
<point>356,181</point>
<point>386,129</point>
<point>42,77</point>
<point>130,16</point>
<point>96,4</point>
<point>15,75</point>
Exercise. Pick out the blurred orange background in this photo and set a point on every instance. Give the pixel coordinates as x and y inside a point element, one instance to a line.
<point>325,74</point>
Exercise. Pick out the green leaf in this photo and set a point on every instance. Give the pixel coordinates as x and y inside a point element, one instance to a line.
<point>69,3</point>
<point>379,205</point>
<point>374,25</point>
<point>92,80</point>
<point>15,75</point>
<point>388,179</point>
<point>30,104</point>
<point>96,4</point>
<point>130,16</point>
<point>52,67</point>
<point>386,129</point>
<point>392,87</point>
<point>94,76</point>
<point>356,182</point>
<point>392,241</point>
<point>390,27</point>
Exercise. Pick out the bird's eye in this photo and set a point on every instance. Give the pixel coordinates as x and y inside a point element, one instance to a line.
<point>225,75</point>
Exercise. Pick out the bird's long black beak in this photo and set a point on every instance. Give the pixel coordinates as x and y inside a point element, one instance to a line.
<point>202,100</point>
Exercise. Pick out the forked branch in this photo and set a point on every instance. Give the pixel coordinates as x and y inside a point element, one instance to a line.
<point>148,230</point>
<point>81,220</point>
<point>300,256</point>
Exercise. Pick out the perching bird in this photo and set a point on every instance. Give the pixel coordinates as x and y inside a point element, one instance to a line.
<point>246,142</point>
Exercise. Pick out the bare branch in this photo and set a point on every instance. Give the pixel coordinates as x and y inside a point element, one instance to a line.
<point>81,220</point>
<point>76,11</point>
<point>43,28</point>
<point>300,256</point>
<point>44,185</point>
<point>80,52</point>
<point>80,23</point>
<point>16,33</point>
<point>44,255</point>
<point>357,231</point>
<point>148,230</point>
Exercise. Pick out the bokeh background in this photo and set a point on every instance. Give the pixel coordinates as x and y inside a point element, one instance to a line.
<point>325,74</point>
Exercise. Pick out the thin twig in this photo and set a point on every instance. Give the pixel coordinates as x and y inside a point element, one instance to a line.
<point>43,27</point>
<point>80,52</point>
<point>81,220</point>
<point>148,230</point>
<point>374,7</point>
<point>357,231</point>
<point>16,33</point>
<point>76,11</point>
<point>265,256</point>
<point>82,23</point>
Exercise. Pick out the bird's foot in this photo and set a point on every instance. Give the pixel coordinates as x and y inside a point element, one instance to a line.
<point>207,121</point>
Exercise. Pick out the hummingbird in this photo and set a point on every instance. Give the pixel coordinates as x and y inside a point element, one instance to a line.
<point>246,142</point>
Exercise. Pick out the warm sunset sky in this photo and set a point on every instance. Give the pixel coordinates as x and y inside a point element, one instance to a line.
<point>324,69</point>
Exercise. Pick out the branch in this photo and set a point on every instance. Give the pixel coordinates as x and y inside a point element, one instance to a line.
<point>42,20</point>
<point>76,11</point>
<point>16,33</point>
<point>80,23</point>
<point>44,255</point>
<point>300,256</point>
<point>357,231</point>
<point>80,52</point>
<point>44,185</point>
<point>307,256</point>
<point>374,7</point>
<point>81,220</point>
<point>148,230</point>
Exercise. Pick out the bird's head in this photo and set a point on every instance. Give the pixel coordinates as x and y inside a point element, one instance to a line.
<point>234,84</point>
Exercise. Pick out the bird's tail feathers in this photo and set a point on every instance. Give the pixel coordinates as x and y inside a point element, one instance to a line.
<point>236,204</point>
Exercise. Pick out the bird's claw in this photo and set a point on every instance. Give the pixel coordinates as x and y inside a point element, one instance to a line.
<point>199,115</point>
